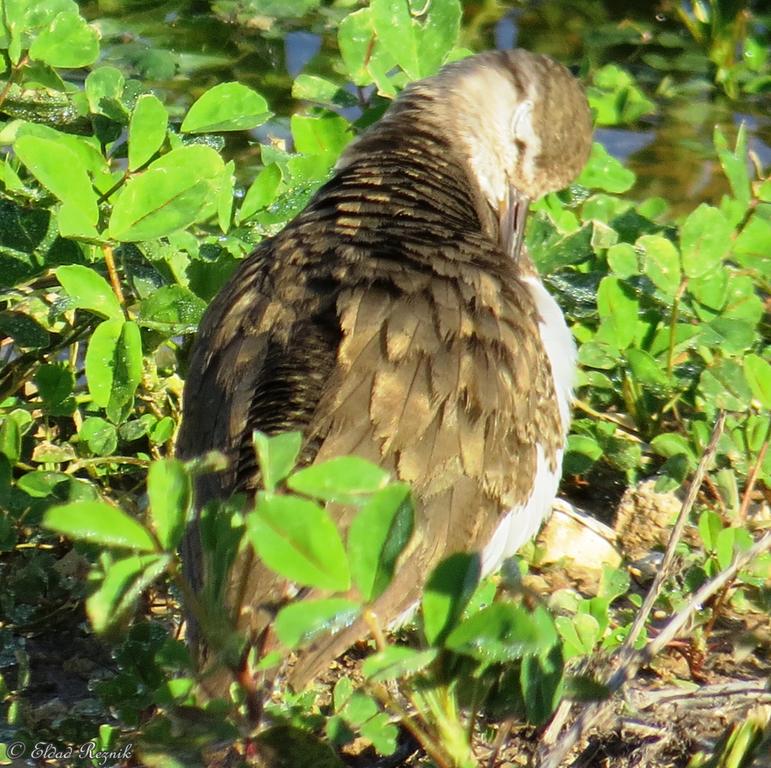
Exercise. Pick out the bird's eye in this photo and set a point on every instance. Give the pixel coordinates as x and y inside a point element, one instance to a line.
<point>520,120</point>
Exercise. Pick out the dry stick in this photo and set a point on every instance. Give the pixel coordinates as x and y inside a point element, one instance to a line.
<point>674,538</point>
<point>751,480</point>
<point>564,709</point>
<point>595,713</point>
<point>754,689</point>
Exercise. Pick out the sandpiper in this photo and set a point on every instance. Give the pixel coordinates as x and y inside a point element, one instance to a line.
<point>400,318</point>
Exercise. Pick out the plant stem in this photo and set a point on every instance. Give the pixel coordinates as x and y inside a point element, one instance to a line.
<point>673,323</point>
<point>751,480</point>
<point>17,68</point>
<point>109,260</point>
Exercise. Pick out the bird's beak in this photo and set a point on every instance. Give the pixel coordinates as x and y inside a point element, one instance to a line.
<point>512,214</point>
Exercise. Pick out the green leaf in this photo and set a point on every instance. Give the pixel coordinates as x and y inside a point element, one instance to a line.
<point>225,197</point>
<point>622,260</point>
<point>670,444</point>
<point>100,436</point>
<point>582,452</point>
<point>10,438</point>
<point>170,494</point>
<point>580,634</point>
<point>447,593</point>
<point>603,171</point>
<point>757,371</point>
<point>41,484</point>
<point>60,170</point>
<point>395,662</point>
<point>171,310</point>
<point>541,678</point>
<point>344,479</point>
<point>104,89</point>
<point>318,89</point>
<point>99,523</point>
<point>114,362</point>
<point>735,164</point>
<point>647,370</point>
<point>124,581</point>
<point>325,135</point>
<point>262,192</point>
<point>732,336</point>
<point>724,547</point>
<point>376,538</point>
<point>710,526</point>
<point>55,385</point>
<point>277,456</point>
<point>662,262</point>
<point>175,191</point>
<point>705,238</point>
<point>68,42</point>
<point>723,386</point>
<point>226,107</point>
<point>297,539</point>
<point>299,623</point>
<point>418,35</point>
<point>618,306</point>
<point>614,582</point>
<point>147,130</point>
<point>89,290</point>
<point>503,632</point>
<point>616,98</point>
<point>364,55</point>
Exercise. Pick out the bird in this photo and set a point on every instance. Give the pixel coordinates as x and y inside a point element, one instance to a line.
<point>400,318</point>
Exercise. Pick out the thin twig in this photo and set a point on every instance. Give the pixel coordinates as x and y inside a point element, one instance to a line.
<point>751,480</point>
<point>663,573</point>
<point>595,714</point>
<point>564,709</point>
<point>429,744</point>
<point>752,688</point>
<point>628,430</point>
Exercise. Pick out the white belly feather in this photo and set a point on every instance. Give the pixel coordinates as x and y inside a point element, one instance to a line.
<point>521,523</point>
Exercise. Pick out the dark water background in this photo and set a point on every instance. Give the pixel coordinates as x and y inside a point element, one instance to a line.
<point>183,47</point>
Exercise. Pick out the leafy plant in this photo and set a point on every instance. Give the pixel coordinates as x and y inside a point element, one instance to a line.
<point>121,214</point>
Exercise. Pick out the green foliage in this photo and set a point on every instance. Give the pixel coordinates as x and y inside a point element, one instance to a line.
<point>118,223</point>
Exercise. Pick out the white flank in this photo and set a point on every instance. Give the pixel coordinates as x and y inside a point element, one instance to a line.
<point>521,523</point>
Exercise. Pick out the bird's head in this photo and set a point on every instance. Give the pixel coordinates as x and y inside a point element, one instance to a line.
<point>525,126</point>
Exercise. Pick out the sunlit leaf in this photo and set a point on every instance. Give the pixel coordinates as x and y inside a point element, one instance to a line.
<point>344,478</point>
<point>419,35</point>
<point>397,661</point>
<point>124,582</point>
<point>174,191</point>
<point>89,290</point>
<point>297,539</point>
<point>68,42</point>
<point>226,107</point>
<point>277,456</point>
<point>376,538</point>
<point>298,623</point>
<point>100,523</point>
<point>170,494</point>
<point>147,130</point>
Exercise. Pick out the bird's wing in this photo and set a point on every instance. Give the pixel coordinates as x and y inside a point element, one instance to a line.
<point>430,369</point>
<point>444,382</point>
